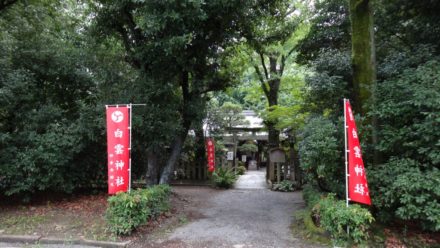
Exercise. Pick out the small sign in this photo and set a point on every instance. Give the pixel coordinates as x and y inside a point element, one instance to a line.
<point>230,155</point>
<point>243,158</point>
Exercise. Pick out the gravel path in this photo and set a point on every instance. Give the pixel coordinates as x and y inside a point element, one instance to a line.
<point>239,218</point>
<point>17,245</point>
<point>252,180</point>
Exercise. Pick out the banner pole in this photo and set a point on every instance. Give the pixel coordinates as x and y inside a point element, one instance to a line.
<point>345,152</point>
<point>346,161</point>
<point>129,160</point>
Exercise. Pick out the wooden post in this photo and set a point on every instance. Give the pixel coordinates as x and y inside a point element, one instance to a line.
<point>278,172</point>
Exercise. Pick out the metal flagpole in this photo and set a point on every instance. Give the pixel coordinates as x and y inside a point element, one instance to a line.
<point>345,152</point>
<point>129,159</point>
<point>346,162</point>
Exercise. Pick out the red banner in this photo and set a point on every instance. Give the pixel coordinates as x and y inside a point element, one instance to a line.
<point>210,152</point>
<point>357,183</point>
<point>118,142</point>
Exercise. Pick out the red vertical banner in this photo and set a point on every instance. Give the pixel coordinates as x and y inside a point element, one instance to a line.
<point>118,143</point>
<point>357,182</point>
<point>210,154</point>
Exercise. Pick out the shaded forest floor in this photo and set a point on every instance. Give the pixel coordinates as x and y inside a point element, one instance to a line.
<point>76,217</point>
<point>82,216</point>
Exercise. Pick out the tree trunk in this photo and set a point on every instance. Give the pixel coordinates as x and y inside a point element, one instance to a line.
<point>364,63</point>
<point>152,172</point>
<point>274,134</point>
<point>363,53</point>
<point>174,157</point>
<point>178,141</point>
<point>200,149</point>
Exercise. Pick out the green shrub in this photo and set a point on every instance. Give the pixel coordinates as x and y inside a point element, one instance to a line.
<point>224,177</point>
<point>126,211</point>
<point>240,170</point>
<point>408,107</point>
<point>311,195</point>
<point>321,155</point>
<point>334,217</point>
<point>407,190</point>
<point>284,186</point>
<point>159,199</point>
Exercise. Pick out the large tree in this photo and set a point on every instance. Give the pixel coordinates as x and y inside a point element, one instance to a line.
<point>272,43</point>
<point>179,47</point>
<point>49,133</point>
<point>363,52</point>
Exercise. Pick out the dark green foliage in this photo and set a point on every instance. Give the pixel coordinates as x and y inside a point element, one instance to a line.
<point>181,50</point>
<point>50,127</point>
<point>127,211</point>
<point>330,83</point>
<point>240,170</point>
<point>335,216</point>
<point>330,29</point>
<point>159,199</point>
<point>406,186</point>
<point>248,147</point>
<point>321,155</point>
<point>284,186</point>
<point>407,109</point>
<point>224,177</point>
<point>311,195</point>
<point>407,190</point>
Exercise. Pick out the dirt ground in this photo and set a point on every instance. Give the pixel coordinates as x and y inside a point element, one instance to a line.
<point>231,218</point>
<point>82,216</point>
<point>68,218</point>
<point>200,217</point>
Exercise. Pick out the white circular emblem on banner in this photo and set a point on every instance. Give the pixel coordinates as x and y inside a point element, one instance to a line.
<point>117,116</point>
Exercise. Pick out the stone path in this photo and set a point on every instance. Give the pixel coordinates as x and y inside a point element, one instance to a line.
<point>19,245</point>
<point>252,180</point>
<point>248,216</point>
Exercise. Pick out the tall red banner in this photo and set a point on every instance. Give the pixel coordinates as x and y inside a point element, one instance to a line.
<point>118,143</point>
<point>210,152</point>
<point>357,183</point>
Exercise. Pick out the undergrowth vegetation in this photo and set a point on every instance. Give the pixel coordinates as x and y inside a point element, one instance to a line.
<point>127,211</point>
<point>224,177</point>
<point>332,215</point>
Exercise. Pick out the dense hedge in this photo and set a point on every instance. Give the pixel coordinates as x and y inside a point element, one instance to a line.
<point>321,156</point>
<point>405,186</point>
<point>127,211</point>
<point>334,216</point>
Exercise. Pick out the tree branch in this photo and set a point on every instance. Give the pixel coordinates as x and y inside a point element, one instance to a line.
<point>262,81</point>
<point>263,64</point>
<point>284,58</point>
<point>128,47</point>
<point>134,32</point>
<point>283,64</point>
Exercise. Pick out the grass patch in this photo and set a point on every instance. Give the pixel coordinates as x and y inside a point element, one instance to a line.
<point>183,219</point>
<point>304,227</point>
<point>98,231</point>
<point>21,224</point>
